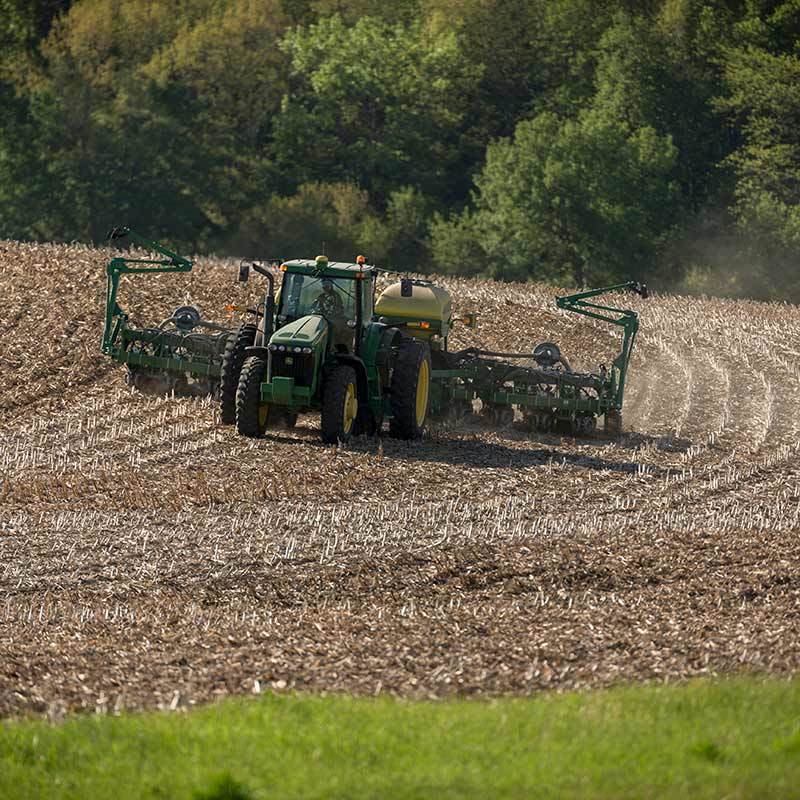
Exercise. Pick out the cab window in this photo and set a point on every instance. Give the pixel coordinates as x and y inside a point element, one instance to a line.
<point>306,294</point>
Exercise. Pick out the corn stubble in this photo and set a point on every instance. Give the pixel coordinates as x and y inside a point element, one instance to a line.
<point>150,557</point>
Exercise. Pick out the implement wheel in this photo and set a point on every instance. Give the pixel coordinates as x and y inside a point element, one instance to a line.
<point>232,361</point>
<point>613,423</point>
<point>410,390</point>
<point>502,416</point>
<point>587,424</point>
<point>339,405</point>
<point>252,416</point>
<point>458,411</point>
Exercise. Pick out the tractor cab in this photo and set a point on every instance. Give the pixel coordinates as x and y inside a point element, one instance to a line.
<point>338,295</point>
<point>321,346</point>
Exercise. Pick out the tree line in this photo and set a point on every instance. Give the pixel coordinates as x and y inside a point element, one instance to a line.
<point>576,141</point>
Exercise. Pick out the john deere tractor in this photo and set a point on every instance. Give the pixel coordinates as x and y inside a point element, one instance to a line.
<point>327,344</point>
<point>322,346</point>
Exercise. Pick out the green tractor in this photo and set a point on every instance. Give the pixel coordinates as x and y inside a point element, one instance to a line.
<point>326,343</point>
<point>323,345</point>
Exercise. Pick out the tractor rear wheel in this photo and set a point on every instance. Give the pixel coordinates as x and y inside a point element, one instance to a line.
<point>410,390</point>
<point>232,360</point>
<point>252,416</point>
<point>339,405</point>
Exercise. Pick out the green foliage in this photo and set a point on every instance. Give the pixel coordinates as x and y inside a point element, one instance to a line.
<point>353,10</point>
<point>579,200</point>
<point>562,140</point>
<point>732,738</point>
<point>223,787</point>
<point>23,23</point>
<point>402,240</point>
<point>153,116</point>
<point>765,98</point>
<point>319,217</point>
<point>377,104</point>
<point>661,77</point>
<point>456,244</point>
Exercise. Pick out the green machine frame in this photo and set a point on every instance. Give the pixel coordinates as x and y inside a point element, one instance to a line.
<point>119,266</point>
<point>151,352</point>
<point>625,318</point>
<point>550,391</point>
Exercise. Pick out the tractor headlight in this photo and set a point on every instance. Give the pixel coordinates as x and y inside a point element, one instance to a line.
<point>297,349</point>
<point>281,347</point>
<point>307,350</point>
<point>273,347</point>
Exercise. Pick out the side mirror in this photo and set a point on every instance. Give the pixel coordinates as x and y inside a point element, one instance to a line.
<point>406,287</point>
<point>244,273</point>
<point>641,289</point>
<point>470,320</point>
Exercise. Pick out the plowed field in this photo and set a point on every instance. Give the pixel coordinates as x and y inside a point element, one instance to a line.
<point>151,557</point>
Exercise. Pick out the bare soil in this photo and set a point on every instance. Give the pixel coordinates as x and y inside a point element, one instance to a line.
<point>150,557</point>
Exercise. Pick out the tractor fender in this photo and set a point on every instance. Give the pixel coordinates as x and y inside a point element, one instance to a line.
<point>390,338</point>
<point>361,374</point>
<point>377,347</point>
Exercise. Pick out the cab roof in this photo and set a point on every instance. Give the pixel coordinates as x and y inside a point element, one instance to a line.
<point>342,269</point>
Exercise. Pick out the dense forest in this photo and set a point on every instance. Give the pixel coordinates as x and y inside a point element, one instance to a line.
<point>577,141</point>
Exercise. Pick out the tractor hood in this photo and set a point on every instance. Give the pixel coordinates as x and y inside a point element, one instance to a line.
<point>304,332</point>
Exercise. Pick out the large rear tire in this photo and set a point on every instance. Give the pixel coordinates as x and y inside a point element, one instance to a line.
<point>339,405</point>
<point>232,361</point>
<point>410,390</point>
<point>252,416</point>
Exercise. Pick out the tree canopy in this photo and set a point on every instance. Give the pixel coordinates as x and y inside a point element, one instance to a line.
<point>567,140</point>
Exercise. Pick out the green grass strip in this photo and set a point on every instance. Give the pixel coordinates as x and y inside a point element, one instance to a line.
<point>735,738</point>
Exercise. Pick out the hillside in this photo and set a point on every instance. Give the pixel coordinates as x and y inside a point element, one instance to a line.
<point>151,557</point>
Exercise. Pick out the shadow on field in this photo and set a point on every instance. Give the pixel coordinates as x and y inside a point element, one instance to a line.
<point>492,455</point>
<point>633,440</point>
<point>473,452</point>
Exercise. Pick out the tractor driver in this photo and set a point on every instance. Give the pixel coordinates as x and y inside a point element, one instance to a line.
<point>329,303</point>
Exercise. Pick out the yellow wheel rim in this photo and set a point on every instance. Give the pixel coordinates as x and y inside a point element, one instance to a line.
<point>350,408</point>
<point>263,415</point>
<point>423,386</point>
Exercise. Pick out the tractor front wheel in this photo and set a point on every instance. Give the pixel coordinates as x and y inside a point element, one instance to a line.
<point>252,416</point>
<point>232,361</point>
<point>339,405</point>
<point>410,390</point>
